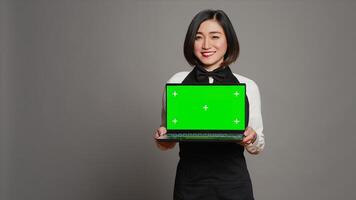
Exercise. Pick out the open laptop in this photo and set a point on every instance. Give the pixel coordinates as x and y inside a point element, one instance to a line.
<point>207,112</point>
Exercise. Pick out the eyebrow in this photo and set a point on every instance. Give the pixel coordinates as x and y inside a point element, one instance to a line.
<point>212,32</point>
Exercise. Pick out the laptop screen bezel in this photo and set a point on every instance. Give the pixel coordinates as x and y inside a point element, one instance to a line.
<point>204,131</point>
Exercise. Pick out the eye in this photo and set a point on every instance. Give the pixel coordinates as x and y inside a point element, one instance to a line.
<point>215,37</point>
<point>197,37</point>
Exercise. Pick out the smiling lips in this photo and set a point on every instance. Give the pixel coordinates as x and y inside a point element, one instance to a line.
<point>207,53</point>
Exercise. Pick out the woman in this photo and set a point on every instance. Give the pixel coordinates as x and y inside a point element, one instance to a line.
<point>212,170</point>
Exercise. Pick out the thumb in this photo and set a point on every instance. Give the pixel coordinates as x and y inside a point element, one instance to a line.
<point>162,131</point>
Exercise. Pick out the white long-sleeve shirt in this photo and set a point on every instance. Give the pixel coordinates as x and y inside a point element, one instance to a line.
<point>255,116</point>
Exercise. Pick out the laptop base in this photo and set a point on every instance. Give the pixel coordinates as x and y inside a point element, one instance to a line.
<point>201,137</point>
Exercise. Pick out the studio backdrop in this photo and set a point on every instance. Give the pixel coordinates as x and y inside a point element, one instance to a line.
<point>82,82</point>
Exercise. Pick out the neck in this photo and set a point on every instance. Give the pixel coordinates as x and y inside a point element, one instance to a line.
<point>211,67</point>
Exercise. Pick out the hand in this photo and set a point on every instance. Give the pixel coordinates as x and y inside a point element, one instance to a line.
<point>250,137</point>
<point>162,145</point>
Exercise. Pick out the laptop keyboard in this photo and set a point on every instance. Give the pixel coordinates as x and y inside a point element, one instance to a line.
<point>205,136</point>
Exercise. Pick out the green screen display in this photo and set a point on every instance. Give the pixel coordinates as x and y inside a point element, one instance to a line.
<point>205,107</point>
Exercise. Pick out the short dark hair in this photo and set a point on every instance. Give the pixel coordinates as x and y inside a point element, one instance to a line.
<point>233,48</point>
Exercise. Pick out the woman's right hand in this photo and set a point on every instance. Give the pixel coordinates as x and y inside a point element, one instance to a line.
<point>162,145</point>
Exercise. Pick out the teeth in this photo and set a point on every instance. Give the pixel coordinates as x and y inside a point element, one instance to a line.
<point>208,54</point>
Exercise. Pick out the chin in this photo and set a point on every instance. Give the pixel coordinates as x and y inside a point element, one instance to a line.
<point>208,64</point>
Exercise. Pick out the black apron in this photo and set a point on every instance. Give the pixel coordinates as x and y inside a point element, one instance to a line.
<point>212,170</point>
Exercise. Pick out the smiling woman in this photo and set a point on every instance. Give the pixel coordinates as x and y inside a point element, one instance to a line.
<point>211,33</point>
<point>215,170</point>
<point>210,44</point>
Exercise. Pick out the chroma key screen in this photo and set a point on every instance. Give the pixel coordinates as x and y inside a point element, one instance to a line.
<point>205,107</point>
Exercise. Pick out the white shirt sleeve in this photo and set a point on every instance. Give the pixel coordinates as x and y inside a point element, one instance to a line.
<point>255,116</point>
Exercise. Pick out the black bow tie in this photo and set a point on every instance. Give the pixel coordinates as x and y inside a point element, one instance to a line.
<point>218,74</point>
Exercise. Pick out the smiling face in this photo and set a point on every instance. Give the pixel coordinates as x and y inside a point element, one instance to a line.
<point>210,44</point>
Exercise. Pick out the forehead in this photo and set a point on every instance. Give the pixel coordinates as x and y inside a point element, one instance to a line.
<point>210,26</point>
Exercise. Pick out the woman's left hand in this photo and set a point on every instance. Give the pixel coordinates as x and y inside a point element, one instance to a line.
<point>250,136</point>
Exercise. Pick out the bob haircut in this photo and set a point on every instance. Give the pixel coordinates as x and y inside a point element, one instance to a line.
<point>233,48</point>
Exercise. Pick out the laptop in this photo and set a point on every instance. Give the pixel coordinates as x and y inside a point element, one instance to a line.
<point>205,113</point>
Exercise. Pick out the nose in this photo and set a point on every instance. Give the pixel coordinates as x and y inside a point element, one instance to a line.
<point>206,44</point>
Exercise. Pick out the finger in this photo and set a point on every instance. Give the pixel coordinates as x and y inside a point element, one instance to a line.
<point>162,132</point>
<point>156,134</point>
<point>245,143</point>
<point>248,138</point>
<point>248,131</point>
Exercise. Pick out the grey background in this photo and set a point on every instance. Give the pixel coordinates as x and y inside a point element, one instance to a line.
<point>81,86</point>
